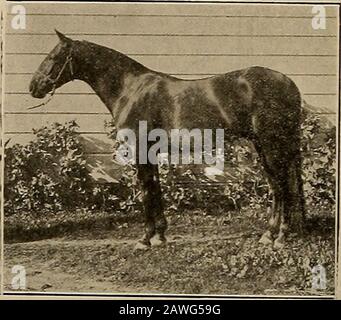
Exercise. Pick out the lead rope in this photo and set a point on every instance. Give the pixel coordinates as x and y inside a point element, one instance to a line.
<point>67,61</point>
<point>45,102</point>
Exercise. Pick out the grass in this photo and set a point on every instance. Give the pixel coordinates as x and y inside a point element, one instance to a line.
<point>205,255</point>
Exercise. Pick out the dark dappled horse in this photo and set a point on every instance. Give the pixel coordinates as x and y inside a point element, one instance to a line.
<point>256,103</point>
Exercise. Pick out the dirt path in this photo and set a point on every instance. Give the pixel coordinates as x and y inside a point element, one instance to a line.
<point>202,257</point>
<point>40,277</point>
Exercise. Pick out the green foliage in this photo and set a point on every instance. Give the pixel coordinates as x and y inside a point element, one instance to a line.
<point>245,183</point>
<point>49,173</point>
<point>185,189</point>
<point>319,164</point>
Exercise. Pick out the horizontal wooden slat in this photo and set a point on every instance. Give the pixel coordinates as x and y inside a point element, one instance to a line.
<point>88,123</point>
<point>93,143</point>
<point>204,64</point>
<point>59,103</point>
<point>101,164</point>
<point>311,84</point>
<point>327,102</point>
<point>186,40</point>
<point>160,25</point>
<point>177,9</point>
<point>199,75</point>
<point>191,45</point>
<point>75,104</point>
<point>98,143</point>
<point>25,123</point>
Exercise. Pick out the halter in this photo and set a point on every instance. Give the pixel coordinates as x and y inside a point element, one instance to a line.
<point>68,61</point>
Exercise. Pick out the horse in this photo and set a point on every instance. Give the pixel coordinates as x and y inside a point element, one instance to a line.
<point>255,103</point>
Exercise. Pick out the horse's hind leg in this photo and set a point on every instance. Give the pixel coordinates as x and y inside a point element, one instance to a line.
<point>280,156</point>
<point>155,221</point>
<point>288,201</point>
<point>292,214</point>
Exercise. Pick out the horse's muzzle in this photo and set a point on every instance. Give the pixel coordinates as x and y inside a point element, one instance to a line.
<point>34,89</point>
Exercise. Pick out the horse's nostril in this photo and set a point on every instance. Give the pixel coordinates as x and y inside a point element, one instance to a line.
<point>32,85</point>
<point>35,90</point>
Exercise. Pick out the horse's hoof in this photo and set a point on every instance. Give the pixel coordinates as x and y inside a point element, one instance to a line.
<point>266,239</point>
<point>141,246</point>
<point>156,242</point>
<point>278,244</point>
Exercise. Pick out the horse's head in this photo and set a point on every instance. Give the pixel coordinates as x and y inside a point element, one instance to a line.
<point>55,70</point>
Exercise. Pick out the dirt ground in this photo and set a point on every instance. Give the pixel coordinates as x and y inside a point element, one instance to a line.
<point>206,255</point>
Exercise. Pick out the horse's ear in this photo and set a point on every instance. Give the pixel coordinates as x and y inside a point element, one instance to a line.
<point>62,37</point>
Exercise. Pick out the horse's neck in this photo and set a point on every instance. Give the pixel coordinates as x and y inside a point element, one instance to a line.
<point>104,70</point>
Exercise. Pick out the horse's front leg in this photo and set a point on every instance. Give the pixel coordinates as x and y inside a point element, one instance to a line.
<point>155,221</point>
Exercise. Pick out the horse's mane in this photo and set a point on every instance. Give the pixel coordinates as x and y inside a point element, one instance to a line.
<point>111,55</point>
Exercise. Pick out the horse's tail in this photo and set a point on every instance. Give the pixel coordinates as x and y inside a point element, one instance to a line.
<point>296,99</point>
<point>308,109</point>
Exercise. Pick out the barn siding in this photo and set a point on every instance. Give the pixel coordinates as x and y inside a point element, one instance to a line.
<point>188,41</point>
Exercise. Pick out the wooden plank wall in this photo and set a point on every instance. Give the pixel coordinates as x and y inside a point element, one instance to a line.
<point>188,40</point>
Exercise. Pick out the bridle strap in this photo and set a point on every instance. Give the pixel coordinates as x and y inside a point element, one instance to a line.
<point>68,61</point>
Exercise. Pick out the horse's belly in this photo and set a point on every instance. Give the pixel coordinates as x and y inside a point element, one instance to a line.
<point>200,116</point>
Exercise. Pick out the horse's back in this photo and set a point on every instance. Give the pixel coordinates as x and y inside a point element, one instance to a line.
<point>225,101</point>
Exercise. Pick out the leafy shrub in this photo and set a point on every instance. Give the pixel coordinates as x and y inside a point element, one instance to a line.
<point>319,164</point>
<point>49,173</point>
<point>245,184</point>
<point>186,189</point>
